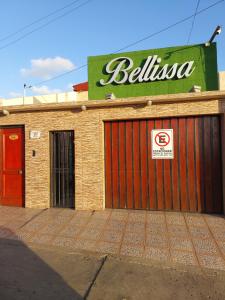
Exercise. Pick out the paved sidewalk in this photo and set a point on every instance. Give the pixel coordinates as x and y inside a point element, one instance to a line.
<point>191,239</point>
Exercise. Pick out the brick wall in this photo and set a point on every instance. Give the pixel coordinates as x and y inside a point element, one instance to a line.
<point>89,145</point>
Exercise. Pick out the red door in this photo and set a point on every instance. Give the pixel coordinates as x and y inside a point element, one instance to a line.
<point>12,166</point>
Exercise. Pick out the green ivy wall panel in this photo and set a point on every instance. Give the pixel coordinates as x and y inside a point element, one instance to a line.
<point>197,63</point>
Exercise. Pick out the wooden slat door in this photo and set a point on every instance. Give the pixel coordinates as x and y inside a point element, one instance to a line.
<point>12,166</point>
<point>192,181</point>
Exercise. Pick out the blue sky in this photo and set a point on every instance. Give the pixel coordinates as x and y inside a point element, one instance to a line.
<point>97,27</point>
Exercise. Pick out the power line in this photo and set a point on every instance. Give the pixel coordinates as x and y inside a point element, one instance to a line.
<point>193,21</point>
<point>44,25</point>
<point>137,42</point>
<point>37,21</point>
<point>169,27</point>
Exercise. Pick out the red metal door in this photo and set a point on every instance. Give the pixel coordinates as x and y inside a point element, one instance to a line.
<point>12,166</point>
<point>192,181</point>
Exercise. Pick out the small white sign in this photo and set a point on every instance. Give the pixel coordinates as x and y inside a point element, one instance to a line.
<point>162,144</point>
<point>35,134</point>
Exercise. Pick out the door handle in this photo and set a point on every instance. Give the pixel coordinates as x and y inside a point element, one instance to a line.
<point>20,172</point>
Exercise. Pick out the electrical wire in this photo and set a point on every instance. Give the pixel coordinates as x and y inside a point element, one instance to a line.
<point>193,21</point>
<point>136,42</point>
<point>37,21</point>
<point>44,25</point>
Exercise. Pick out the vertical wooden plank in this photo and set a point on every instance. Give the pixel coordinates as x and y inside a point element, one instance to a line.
<point>122,165</point>
<point>167,182</point>
<point>108,165</point>
<point>216,166</point>
<point>152,191</point>
<point>183,166</point>
<point>1,165</point>
<point>115,164</point>
<point>129,163</point>
<point>175,167</point>
<point>191,164</point>
<point>144,164</point>
<point>208,163</point>
<point>159,175</point>
<point>199,163</point>
<point>136,165</point>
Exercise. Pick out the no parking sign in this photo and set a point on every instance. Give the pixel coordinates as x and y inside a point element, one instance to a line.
<point>162,144</point>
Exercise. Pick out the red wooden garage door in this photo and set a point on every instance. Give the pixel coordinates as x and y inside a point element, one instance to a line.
<point>189,182</point>
<point>12,166</point>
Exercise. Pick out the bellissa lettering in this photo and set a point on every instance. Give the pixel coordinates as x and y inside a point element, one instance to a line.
<point>151,70</point>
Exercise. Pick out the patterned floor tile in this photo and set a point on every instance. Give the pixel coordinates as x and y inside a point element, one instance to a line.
<point>79,221</point>
<point>157,241</point>
<point>85,245</point>
<point>95,223</point>
<point>64,242</point>
<point>137,217</point>
<point>115,225</point>
<point>101,214</point>
<point>215,221</point>
<point>70,231</point>
<point>211,261</point>
<point>221,245</point>
<point>122,216</point>
<point>157,228</point>
<point>135,227</point>
<point>107,247</point>
<point>33,226</point>
<point>90,234</point>
<point>205,246</point>
<point>84,213</point>
<point>51,228</point>
<point>177,230</point>
<point>175,219</point>
<point>4,232</point>
<point>194,220</point>
<point>14,225</point>
<point>22,236</point>
<point>112,236</point>
<point>183,257</point>
<point>158,218</point>
<point>41,238</point>
<point>199,232</point>
<point>136,251</point>
<point>218,233</point>
<point>159,254</point>
<point>134,238</point>
<point>180,244</point>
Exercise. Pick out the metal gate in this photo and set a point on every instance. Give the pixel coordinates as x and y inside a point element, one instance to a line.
<point>192,181</point>
<point>62,168</point>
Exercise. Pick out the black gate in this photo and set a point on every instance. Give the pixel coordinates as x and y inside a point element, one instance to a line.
<point>62,168</point>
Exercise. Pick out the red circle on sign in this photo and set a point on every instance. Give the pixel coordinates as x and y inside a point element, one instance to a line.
<point>163,143</point>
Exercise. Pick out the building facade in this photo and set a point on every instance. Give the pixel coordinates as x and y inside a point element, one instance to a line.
<point>97,154</point>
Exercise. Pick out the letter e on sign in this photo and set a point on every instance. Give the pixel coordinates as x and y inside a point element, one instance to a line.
<point>162,144</point>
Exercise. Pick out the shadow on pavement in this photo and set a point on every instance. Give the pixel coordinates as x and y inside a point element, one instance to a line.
<point>24,275</point>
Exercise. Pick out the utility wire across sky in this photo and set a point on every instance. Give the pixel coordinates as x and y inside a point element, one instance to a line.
<point>192,24</point>
<point>12,34</point>
<point>44,25</point>
<point>136,42</point>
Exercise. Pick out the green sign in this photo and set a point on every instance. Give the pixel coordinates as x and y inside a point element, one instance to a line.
<point>153,72</point>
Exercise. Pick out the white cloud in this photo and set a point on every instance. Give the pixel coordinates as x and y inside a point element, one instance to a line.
<point>42,90</point>
<point>15,94</point>
<point>46,68</point>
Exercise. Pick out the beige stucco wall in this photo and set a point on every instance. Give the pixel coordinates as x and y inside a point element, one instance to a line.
<point>221,79</point>
<point>89,144</point>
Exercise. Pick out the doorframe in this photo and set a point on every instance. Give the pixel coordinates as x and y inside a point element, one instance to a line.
<point>22,126</point>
